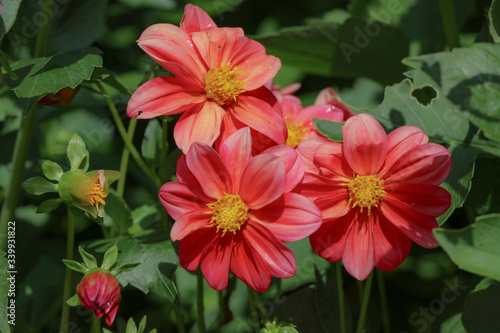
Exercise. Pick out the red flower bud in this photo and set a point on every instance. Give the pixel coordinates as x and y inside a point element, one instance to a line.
<point>61,98</point>
<point>99,292</point>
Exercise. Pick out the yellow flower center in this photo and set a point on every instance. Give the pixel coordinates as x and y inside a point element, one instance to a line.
<point>229,213</point>
<point>222,84</point>
<point>365,191</point>
<point>97,195</point>
<point>295,133</point>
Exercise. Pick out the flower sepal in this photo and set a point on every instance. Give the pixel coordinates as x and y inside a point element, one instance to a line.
<point>278,327</point>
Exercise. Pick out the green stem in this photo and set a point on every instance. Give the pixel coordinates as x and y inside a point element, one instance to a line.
<point>199,302</point>
<point>96,325</point>
<point>180,320</point>
<point>126,140</point>
<point>259,304</point>
<point>67,275</point>
<point>364,304</point>
<point>449,23</point>
<point>23,138</point>
<point>383,301</point>
<point>253,310</point>
<point>340,291</point>
<point>120,189</point>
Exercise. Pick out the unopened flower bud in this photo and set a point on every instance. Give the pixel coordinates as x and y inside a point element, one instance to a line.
<point>61,98</point>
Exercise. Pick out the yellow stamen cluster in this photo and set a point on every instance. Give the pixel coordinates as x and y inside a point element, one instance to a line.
<point>229,213</point>
<point>222,84</point>
<point>365,191</point>
<point>97,195</point>
<point>295,133</point>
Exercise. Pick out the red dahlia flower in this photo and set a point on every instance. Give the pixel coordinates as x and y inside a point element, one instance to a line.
<point>99,292</point>
<point>218,84</point>
<point>377,193</point>
<point>233,211</point>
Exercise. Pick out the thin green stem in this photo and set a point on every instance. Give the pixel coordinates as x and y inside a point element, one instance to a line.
<point>120,189</point>
<point>126,140</point>
<point>23,138</point>
<point>449,23</point>
<point>70,242</point>
<point>340,291</point>
<point>96,325</point>
<point>253,310</point>
<point>199,302</point>
<point>180,320</point>
<point>383,302</point>
<point>259,304</point>
<point>364,304</point>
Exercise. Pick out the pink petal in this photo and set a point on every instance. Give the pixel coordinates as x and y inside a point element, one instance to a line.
<point>199,124</point>
<point>173,49</point>
<point>260,116</point>
<point>325,96</point>
<point>415,225</point>
<point>209,169</point>
<point>330,157</point>
<point>291,109</point>
<point>290,89</point>
<point>163,96</point>
<point>428,163</point>
<point>428,199</point>
<point>236,152</point>
<point>290,218</point>
<point>335,204</point>
<point>191,247</point>
<point>330,239</point>
<point>328,112</point>
<point>306,150</point>
<point>391,246</point>
<point>314,186</point>
<point>365,144</point>
<point>263,181</point>
<point>215,261</point>
<point>195,19</point>
<point>191,222</point>
<point>185,176</point>
<point>178,199</point>
<point>294,165</point>
<point>359,254</point>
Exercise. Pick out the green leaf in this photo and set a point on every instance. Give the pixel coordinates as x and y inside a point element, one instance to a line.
<point>481,307</point>
<point>41,76</point>
<point>349,50</point>
<point>131,328</point>
<point>89,260</point>
<point>494,18</point>
<point>110,257</point>
<point>4,293</point>
<point>152,143</point>
<point>484,195</point>
<point>117,213</point>
<point>331,129</point>
<point>77,153</point>
<point>51,170</point>
<point>125,268</point>
<point>39,185</point>
<point>142,325</point>
<point>155,252</point>
<point>453,325</point>
<point>75,266</point>
<point>48,206</point>
<point>73,301</point>
<point>474,248</point>
<point>104,75</point>
<point>8,15</point>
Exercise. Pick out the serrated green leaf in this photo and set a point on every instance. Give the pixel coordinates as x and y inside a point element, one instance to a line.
<point>125,268</point>
<point>117,213</point>
<point>73,301</point>
<point>77,153</point>
<point>51,170</point>
<point>474,248</point>
<point>349,50</point>
<point>89,260</point>
<point>155,252</point>
<point>4,291</point>
<point>480,309</point>
<point>494,18</point>
<point>39,185</point>
<point>331,129</point>
<point>8,15</point>
<point>110,257</point>
<point>41,76</point>
<point>75,266</point>
<point>152,143</point>
<point>48,206</point>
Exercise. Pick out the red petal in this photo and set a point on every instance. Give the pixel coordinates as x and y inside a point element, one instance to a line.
<point>307,149</point>
<point>290,218</point>
<point>365,144</point>
<point>195,19</point>
<point>191,247</point>
<point>359,254</point>
<point>329,241</point>
<point>236,152</point>
<point>335,204</point>
<point>330,156</point>
<point>191,222</point>
<point>263,181</point>
<point>426,198</point>
<point>185,176</point>
<point>314,186</point>
<point>178,199</point>
<point>110,318</point>
<point>294,165</point>
<point>215,261</point>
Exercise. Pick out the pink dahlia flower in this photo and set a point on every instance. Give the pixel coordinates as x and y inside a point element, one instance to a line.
<point>233,211</point>
<point>377,193</point>
<point>218,84</point>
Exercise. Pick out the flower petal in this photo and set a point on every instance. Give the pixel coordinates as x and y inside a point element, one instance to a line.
<point>190,222</point>
<point>192,246</point>
<point>331,162</point>
<point>365,144</point>
<point>330,239</point>
<point>359,255</point>
<point>290,218</point>
<point>210,171</point>
<point>196,19</point>
<point>335,204</point>
<point>294,165</point>
<point>263,181</point>
<point>314,186</point>
<point>172,48</point>
<point>236,152</point>
<point>179,199</point>
<point>415,225</point>
<point>307,149</point>
<point>215,262</point>
<point>163,96</point>
<point>428,199</point>
<point>199,124</point>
